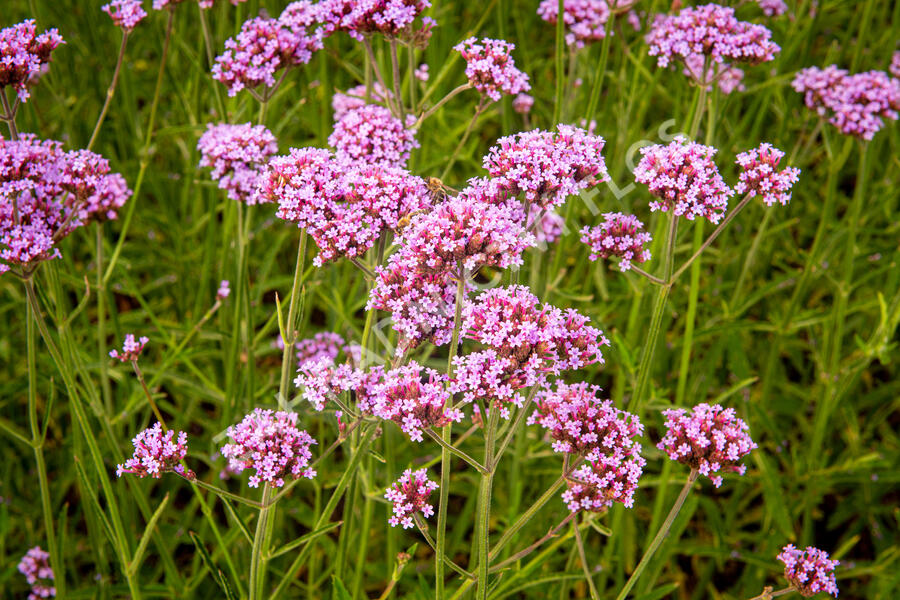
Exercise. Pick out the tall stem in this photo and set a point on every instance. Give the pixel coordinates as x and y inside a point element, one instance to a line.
<point>441,102</point>
<point>9,115</point>
<point>395,78</point>
<point>601,71</point>
<point>660,535</point>
<point>110,92</point>
<point>102,356</point>
<point>260,546</point>
<point>156,413</point>
<point>579,543</point>
<point>287,355</point>
<point>482,541</point>
<point>482,104</point>
<point>207,42</point>
<point>560,63</point>
<point>367,44</point>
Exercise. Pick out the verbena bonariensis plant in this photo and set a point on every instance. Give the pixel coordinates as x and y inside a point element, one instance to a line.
<point>444,337</point>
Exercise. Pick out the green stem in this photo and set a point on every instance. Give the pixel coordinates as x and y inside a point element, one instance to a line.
<point>660,535</point>
<point>768,594</point>
<point>207,42</point>
<point>395,76</point>
<point>441,102</point>
<point>579,543</point>
<point>258,559</point>
<point>102,356</point>
<point>601,71</point>
<point>448,447</point>
<point>560,63</point>
<point>287,355</point>
<point>110,92</point>
<point>482,105</point>
<point>367,44</point>
<point>153,406</point>
<point>482,541</point>
<point>9,115</point>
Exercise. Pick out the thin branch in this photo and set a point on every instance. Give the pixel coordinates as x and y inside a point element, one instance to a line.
<point>454,450</point>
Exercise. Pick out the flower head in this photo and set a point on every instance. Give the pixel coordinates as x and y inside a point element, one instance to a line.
<point>157,452</point>
<point>491,69</point>
<point>355,97</point>
<point>23,53</point>
<point>370,134</point>
<point>710,439</point>
<point>522,103</point>
<point>585,20</point>
<point>392,18</point>
<point>224,290</point>
<point>207,4</point>
<point>759,175</point>
<point>619,235</point>
<point>611,478</point>
<point>236,154</point>
<point>125,13</point>
<point>270,443</point>
<point>421,72</point>
<point>35,566</point>
<point>321,380</point>
<point>409,494</point>
<point>684,177</point>
<point>810,571</point>
<point>894,69</point>
<point>131,348</point>
<point>549,226</point>
<point>772,8</point>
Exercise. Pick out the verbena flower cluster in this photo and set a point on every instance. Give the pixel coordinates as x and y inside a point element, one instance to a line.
<point>810,571</point>
<point>321,380</point>
<point>392,18</point>
<point>772,8</point>
<point>409,495</point>
<point>709,34</point>
<point>131,348</point>
<point>522,103</point>
<point>371,134</point>
<point>856,104</point>
<point>585,20</point>
<point>619,235</point>
<point>210,3</point>
<point>684,177</point>
<point>324,344</point>
<point>355,97</point>
<point>491,69</point>
<point>46,193</point>
<point>710,438</point>
<point>125,13</point>
<point>611,478</point>
<point>271,444</point>
<point>236,154</point>
<point>35,566</point>
<point>894,69</point>
<point>23,53</point>
<point>265,46</point>
<point>727,77</point>
<point>224,290</point>
<point>547,166</point>
<point>156,452</point>
<point>759,175</point>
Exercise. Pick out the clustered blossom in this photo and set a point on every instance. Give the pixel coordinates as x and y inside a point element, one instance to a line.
<point>125,13</point>
<point>372,135</point>
<point>35,566</point>
<point>759,175</point>
<point>421,72</point>
<point>157,452</point>
<point>684,177</point>
<point>491,69</point>
<point>727,77</point>
<point>857,104</point>
<point>131,348</point>
<point>224,290</point>
<point>322,380</point>
<point>270,443</point>
<point>548,227</point>
<point>236,154</point>
<point>583,425</point>
<point>411,399</point>
<point>355,97</point>
<point>810,571</point>
<point>23,54</point>
<point>210,3</point>
<point>522,103</point>
<point>894,69</point>
<point>265,46</point>
<point>619,235</point>
<point>166,4</point>
<point>585,20</point>
<point>409,495</point>
<point>324,344</point>
<point>46,193</point>
<point>611,478</point>
<point>547,166</point>
<point>772,8</point>
<point>710,439</point>
<point>391,18</point>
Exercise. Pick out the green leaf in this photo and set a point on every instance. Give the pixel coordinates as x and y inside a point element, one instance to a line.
<point>340,591</point>
<point>145,538</point>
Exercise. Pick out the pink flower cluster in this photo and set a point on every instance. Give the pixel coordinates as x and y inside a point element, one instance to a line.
<point>772,8</point>
<point>155,453</point>
<point>370,134</point>
<point>547,166</point>
<point>894,69</point>
<point>265,46</point>
<point>324,344</point>
<point>547,226</point>
<point>421,72</point>
<point>727,77</point>
<point>236,154</point>
<point>409,495</point>
<point>857,104</point>
<point>355,97</point>
<point>759,175</point>
<point>585,20</point>
<point>392,18</point>
<point>224,290</point>
<point>710,439</point>
<point>596,485</point>
<point>522,103</point>
<point>46,193</point>
<point>619,235</point>
<point>35,566</point>
<point>131,348</point>
<point>684,177</point>
<point>583,425</point>
<point>712,33</point>
<point>23,53</point>
<point>491,69</point>
<point>166,4</point>
<point>810,571</point>
<point>344,207</point>
<point>125,13</point>
<point>270,443</point>
<point>322,380</point>
<point>210,3</point>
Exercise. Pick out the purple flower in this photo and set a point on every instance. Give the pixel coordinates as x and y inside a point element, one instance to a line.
<point>270,443</point>
<point>236,154</point>
<point>619,235</point>
<point>772,8</point>
<point>759,175</point>
<point>224,290</point>
<point>549,226</point>
<point>155,453</point>
<point>522,104</point>
<point>894,69</point>
<point>207,4</point>
<point>421,72</point>
<point>409,494</point>
<point>125,13</point>
<point>392,18</point>
<point>585,20</point>
<point>611,478</point>
<point>547,166</point>
<point>355,97</point>
<point>35,566</point>
<point>810,571</point>
<point>322,380</point>
<point>727,77</point>
<point>370,134</point>
<point>684,177</point>
<point>583,425</point>
<point>131,348</point>
<point>491,69</point>
<point>166,4</point>
<point>710,439</point>
<point>23,53</point>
